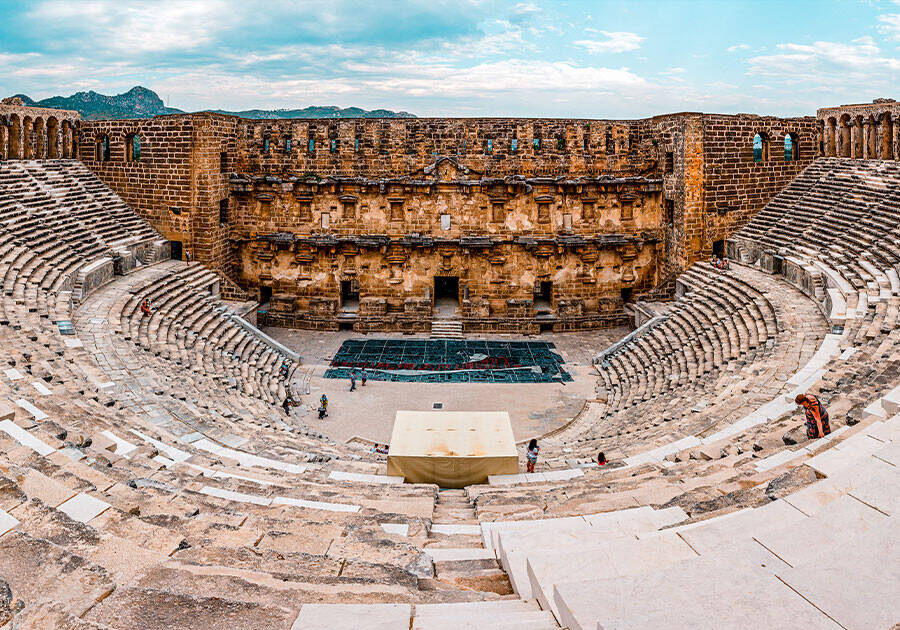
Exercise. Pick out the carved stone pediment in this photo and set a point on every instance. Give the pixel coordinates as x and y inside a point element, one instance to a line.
<point>446,169</point>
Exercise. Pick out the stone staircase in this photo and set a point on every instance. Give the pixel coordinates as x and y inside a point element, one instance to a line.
<point>456,548</point>
<point>446,329</point>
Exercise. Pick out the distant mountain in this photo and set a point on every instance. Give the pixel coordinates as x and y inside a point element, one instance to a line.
<point>139,102</point>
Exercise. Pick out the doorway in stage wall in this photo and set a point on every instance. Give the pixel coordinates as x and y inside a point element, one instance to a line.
<point>350,296</point>
<point>176,250</point>
<point>446,296</point>
<point>543,298</point>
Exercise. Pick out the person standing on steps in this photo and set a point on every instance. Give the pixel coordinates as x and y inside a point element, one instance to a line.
<point>531,455</point>
<point>817,422</point>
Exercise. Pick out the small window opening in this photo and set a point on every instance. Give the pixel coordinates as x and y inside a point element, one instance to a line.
<point>223,211</point>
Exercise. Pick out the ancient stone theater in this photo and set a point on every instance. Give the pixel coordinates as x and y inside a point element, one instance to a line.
<point>685,331</point>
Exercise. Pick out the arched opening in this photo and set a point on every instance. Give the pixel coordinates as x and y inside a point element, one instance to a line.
<point>761,147</point>
<point>873,128</point>
<point>52,138</point>
<point>68,138</point>
<point>886,143</point>
<point>844,143</point>
<point>830,140</point>
<point>857,138</point>
<point>791,147</point>
<point>101,149</point>
<point>39,137</point>
<point>14,150</point>
<point>27,138</point>
<point>133,148</point>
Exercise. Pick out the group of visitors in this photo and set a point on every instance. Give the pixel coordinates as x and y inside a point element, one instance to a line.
<point>720,263</point>
<point>381,450</point>
<point>531,456</point>
<point>817,426</point>
<point>363,377</point>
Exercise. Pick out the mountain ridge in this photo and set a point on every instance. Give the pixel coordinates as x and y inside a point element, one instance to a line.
<point>141,102</point>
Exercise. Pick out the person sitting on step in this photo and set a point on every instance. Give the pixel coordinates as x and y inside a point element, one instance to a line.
<point>531,455</point>
<point>145,307</point>
<point>601,459</point>
<point>817,424</point>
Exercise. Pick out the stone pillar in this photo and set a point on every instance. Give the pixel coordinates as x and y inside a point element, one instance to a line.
<point>855,131</point>
<point>830,138</point>
<point>27,139</point>
<point>4,143</point>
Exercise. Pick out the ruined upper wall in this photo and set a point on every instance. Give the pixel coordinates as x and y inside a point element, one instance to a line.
<point>33,133</point>
<point>864,131</point>
<point>737,182</point>
<point>494,147</point>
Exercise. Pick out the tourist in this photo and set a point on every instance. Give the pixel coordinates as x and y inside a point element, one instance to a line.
<point>352,381</point>
<point>817,424</point>
<point>363,377</point>
<point>285,369</point>
<point>145,307</point>
<point>286,405</point>
<point>531,455</point>
<point>187,256</point>
<point>323,404</point>
<point>601,459</point>
<point>381,450</point>
<point>322,412</point>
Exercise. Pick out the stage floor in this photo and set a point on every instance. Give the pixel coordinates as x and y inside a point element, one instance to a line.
<point>368,412</point>
<point>449,361</point>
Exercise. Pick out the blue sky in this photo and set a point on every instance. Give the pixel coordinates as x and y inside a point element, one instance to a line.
<point>462,57</point>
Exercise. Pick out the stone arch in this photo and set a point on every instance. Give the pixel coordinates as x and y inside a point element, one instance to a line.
<point>101,148</point>
<point>14,140</point>
<point>133,147</point>
<point>845,147</point>
<point>761,147</point>
<point>52,138</point>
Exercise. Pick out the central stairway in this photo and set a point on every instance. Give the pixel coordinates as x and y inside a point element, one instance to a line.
<point>446,329</point>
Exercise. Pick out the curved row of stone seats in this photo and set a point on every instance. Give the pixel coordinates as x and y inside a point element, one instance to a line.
<point>190,327</point>
<point>781,564</point>
<point>719,318</point>
<point>845,255</point>
<point>91,202</point>
<point>152,536</point>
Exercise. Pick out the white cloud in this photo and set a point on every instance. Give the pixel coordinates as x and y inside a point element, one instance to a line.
<point>140,27</point>
<point>615,42</point>
<point>857,62</point>
<point>737,47</point>
<point>890,25</point>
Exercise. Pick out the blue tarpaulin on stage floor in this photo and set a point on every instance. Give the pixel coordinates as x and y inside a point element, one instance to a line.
<point>449,361</point>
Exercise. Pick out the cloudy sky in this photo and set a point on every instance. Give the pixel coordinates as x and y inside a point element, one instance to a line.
<point>599,59</point>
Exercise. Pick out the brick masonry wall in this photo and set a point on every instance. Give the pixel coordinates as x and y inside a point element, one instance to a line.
<point>395,147</point>
<point>735,187</point>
